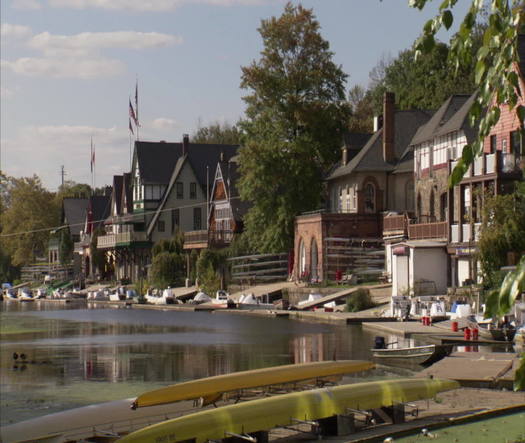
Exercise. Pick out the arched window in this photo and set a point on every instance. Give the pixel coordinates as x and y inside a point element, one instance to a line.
<point>443,207</point>
<point>370,197</point>
<point>313,260</point>
<point>432,205</point>
<point>302,258</point>
<point>419,205</point>
<point>409,195</point>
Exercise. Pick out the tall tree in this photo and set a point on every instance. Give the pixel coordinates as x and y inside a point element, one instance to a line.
<point>30,213</point>
<point>217,133</point>
<point>296,112</point>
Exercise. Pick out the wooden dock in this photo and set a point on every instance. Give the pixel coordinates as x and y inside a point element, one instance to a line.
<point>476,369</point>
<point>339,295</point>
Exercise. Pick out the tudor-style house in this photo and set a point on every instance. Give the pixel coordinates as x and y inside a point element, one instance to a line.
<point>375,174</point>
<point>437,248</point>
<point>226,210</point>
<point>169,191</point>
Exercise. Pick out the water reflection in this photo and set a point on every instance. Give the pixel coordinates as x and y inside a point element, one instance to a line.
<point>76,356</point>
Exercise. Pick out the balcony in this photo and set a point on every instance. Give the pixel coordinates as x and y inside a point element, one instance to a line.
<point>203,239</point>
<point>466,232</point>
<point>121,239</point>
<point>454,234</point>
<point>490,163</point>
<point>422,231</point>
<point>395,225</point>
<point>510,163</point>
<point>478,165</point>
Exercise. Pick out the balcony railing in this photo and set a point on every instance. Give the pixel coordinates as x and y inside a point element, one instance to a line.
<point>120,239</point>
<point>199,239</point>
<point>478,165</point>
<point>466,232</point>
<point>454,234</point>
<point>510,162</point>
<point>395,224</point>
<point>428,231</point>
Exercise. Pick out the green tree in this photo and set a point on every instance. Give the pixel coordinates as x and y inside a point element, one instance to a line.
<point>167,269</point>
<point>424,83</point>
<point>217,133</point>
<point>98,256</point>
<point>29,213</point>
<point>502,233</point>
<point>73,189</point>
<point>295,115</point>
<point>66,246</point>
<point>498,83</point>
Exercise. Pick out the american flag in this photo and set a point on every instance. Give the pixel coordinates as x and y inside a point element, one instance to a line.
<point>132,113</point>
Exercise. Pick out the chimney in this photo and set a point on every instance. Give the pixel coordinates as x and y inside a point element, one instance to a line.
<point>185,143</point>
<point>221,159</point>
<point>378,122</point>
<point>345,155</point>
<point>388,127</point>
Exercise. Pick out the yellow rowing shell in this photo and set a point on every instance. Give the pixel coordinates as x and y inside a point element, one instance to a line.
<point>284,410</point>
<point>212,387</point>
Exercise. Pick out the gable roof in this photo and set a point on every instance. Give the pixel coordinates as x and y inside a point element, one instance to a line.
<point>230,176</point>
<point>100,206</point>
<point>126,203</point>
<point>370,157</point>
<point>156,160</point>
<point>74,213</point>
<point>446,119</point>
<point>116,195</point>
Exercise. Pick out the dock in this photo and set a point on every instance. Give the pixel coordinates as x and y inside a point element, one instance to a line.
<point>268,288</point>
<point>339,295</point>
<point>476,369</point>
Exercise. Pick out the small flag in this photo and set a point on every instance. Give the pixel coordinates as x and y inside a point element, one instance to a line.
<point>131,127</point>
<point>132,113</point>
<point>92,155</point>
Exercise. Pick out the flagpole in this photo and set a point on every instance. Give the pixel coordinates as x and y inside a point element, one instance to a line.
<point>137,105</point>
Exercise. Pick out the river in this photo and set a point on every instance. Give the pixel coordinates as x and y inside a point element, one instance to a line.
<point>75,355</point>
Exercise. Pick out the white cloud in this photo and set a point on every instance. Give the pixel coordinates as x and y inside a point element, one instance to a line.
<point>89,42</point>
<point>164,123</point>
<point>27,4</point>
<point>42,149</point>
<point>8,30</point>
<point>145,5</point>
<point>85,68</point>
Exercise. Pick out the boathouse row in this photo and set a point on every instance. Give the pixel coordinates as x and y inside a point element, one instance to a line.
<point>435,246</point>
<point>168,189</point>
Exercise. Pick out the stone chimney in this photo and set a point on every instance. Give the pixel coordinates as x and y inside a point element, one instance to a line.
<point>185,143</point>
<point>388,127</point>
<point>344,159</point>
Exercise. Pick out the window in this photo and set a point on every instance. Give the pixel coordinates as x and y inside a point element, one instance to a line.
<point>443,207</point>
<point>493,143</point>
<point>161,226</point>
<point>193,190</point>
<point>340,201</point>
<point>197,219</point>
<point>466,204</point>
<point>515,143</point>
<point>432,206</point>
<point>370,197</point>
<point>175,220</point>
<point>180,189</point>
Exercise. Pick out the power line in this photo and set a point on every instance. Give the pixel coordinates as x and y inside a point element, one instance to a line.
<point>55,228</point>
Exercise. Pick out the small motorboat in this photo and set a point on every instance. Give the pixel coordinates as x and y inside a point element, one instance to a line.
<point>41,293</point>
<point>201,297</point>
<point>250,301</point>
<point>25,294</point>
<point>411,355</point>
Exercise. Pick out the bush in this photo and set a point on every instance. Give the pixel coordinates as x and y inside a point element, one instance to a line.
<point>210,281</point>
<point>167,269</point>
<point>359,300</point>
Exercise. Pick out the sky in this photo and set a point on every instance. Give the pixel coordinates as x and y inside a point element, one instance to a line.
<point>70,67</point>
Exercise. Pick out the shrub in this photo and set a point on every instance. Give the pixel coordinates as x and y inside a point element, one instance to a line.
<point>359,300</point>
<point>167,269</point>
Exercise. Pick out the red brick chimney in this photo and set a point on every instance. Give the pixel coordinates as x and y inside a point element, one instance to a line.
<point>185,143</point>
<point>388,127</point>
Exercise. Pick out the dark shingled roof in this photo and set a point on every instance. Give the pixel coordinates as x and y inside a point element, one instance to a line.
<point>100,209</point>
<point>446,117</point>
<point>74,213</point>
<point>370,157</point>
<point>157,160</point>
<point>127,193</point>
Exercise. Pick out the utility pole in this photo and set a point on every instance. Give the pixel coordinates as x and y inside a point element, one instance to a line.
<point>62,173</point>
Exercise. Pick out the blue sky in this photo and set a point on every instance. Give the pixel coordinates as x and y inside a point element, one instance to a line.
<point>69,66</point>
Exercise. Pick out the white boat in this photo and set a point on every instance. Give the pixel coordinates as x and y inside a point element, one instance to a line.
<point>41,293</point>
<point>25,294</point>
<point>250,301</point>
<point>166,298</point>
<point>222,298</point>
<point>201,297</point>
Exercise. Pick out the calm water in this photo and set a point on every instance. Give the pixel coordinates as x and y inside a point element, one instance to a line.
<point>77,356</point>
